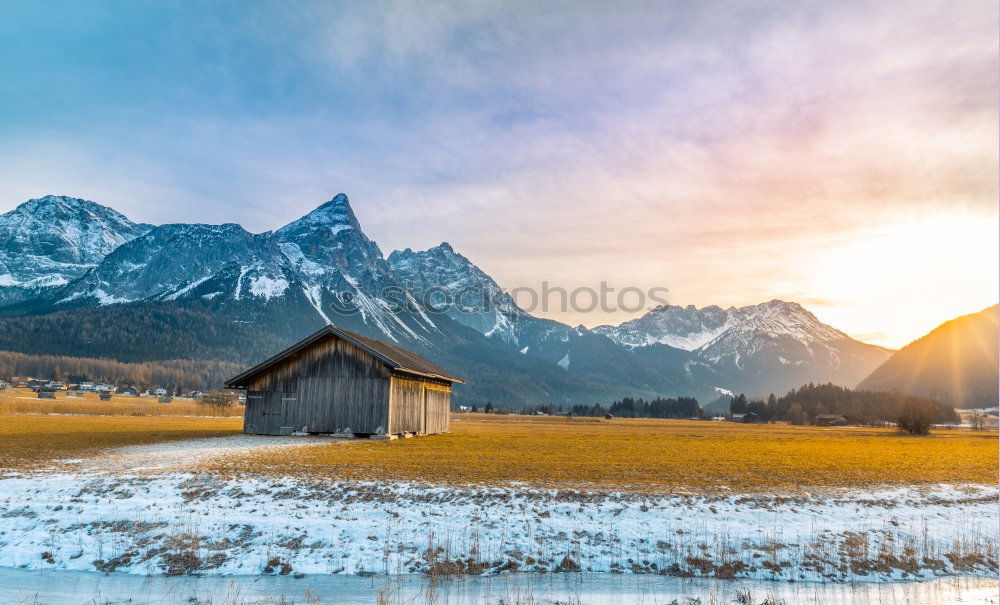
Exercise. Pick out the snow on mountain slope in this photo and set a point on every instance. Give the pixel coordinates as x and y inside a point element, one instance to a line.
<point>682,327</point>
<point>323,260</point>
<point>770,346</point>
<point>461,290</point>
<point>694,329</point>
<point>340,268</point>
<point>169,260</point>
<point>52,240</point>
<point>447,282</point>
<point>771,320</point>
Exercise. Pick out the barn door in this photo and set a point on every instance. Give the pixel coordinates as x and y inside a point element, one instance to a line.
<point>275,411</point>
<point>255,414</point>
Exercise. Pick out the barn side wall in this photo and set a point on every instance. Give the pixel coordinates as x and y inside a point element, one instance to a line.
<point>438,407</point>
<point>418,406</point>
<point>330,387</point>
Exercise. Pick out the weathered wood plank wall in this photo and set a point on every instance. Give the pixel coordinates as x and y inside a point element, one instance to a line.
<point>406,402</point>
<point>330,387</point>
<point>418,406</point>
<point>437,407</point>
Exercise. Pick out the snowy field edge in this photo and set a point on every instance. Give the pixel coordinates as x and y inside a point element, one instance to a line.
<point>189,523</point>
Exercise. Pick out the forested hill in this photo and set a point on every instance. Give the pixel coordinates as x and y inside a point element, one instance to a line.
<point>802,405</point>
<point>956,363</point>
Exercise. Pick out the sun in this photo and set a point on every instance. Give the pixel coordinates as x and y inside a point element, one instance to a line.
<point>896,283</point>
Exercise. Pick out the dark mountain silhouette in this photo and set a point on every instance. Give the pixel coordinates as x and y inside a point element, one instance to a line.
<point>956,363</point>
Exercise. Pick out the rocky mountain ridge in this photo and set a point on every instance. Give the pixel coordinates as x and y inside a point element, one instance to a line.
<point>322,268</point>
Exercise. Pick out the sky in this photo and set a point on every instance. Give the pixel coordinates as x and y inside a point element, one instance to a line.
<point>842,155</point>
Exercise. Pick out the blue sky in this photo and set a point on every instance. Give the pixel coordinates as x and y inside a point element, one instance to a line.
<point>731,151</point>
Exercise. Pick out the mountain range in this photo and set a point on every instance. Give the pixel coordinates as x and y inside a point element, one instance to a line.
<point>79,278</point>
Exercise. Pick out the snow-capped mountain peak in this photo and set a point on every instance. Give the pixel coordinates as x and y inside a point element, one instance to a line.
<point>51,240</point>
<point>454,284</point>
<point>776,344</point>
<point>779,318</point>
<point>335,215</point>
<point>691,328</point>
<point>685,328</point>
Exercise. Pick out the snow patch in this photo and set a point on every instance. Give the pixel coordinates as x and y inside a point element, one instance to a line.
<point>188,288</point>
<point>267,287</point>
<point>103,298</point>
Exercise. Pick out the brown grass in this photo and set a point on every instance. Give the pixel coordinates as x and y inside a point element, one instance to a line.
<point>24,401</point>
<point>29,441</point>
<point>643,454</point>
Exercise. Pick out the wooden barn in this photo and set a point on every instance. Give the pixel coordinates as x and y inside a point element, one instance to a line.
<point>336,381</point>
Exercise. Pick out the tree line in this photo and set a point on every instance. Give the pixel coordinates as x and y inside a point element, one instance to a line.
<point>178,374</point>
<point>868,408</point>
<point>628,407</point>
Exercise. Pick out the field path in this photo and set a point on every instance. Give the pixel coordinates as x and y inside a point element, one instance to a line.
<point>184,455</point>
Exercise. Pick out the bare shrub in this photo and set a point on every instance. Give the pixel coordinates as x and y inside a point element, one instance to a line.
<point>220,399</point>
<point>915,417</point>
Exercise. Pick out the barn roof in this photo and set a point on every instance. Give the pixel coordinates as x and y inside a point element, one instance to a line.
<point>395,357</point>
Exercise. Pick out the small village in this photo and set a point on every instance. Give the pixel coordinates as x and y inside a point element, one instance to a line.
<point>48,388</point>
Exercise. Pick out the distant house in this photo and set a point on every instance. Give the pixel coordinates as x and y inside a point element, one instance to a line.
<point>336,381</point>
<point>160,392</point>
<point>131,391</point>
<point>831,420</point>
<point>748,418</point>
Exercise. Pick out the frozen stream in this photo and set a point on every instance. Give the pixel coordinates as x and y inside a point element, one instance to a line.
<point>77,587</point>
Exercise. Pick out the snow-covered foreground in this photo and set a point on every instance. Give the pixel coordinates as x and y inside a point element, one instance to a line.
<point>184,522</point>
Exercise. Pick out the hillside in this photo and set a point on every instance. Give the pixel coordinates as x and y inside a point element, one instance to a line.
<point>956,363</point>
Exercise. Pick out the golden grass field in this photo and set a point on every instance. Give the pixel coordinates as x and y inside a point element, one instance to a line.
<point>31,441</point>
<point>24,401</point>
<point>33,432</point>
<point>643,454</point>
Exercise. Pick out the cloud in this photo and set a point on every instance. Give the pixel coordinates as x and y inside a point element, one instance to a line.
<point>719,149</point>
